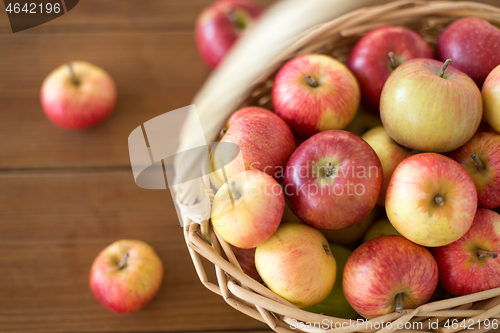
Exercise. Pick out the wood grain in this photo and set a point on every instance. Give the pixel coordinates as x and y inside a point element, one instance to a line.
<point>53,224</point>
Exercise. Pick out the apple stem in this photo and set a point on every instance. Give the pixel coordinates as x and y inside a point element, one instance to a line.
<point>483,254</point>
<point>393,60</point>
<point>123,263</point>
<point>479,164</point>
<point>311,81</point>
<point>223,132</point>
<point>330,168</point>
<point>234,20</point>
<point>399,303</point>
<point>439,200</point>
<point>445,65</point>
<point>73,75</point>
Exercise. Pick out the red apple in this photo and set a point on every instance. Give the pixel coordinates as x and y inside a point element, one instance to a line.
<point>247,211</point>
<point>431,200</point>
<point>389,153</point>
<point>78,95</point>
<point>333,180</point>
<point>265,141</point>
<point>474,46</point>
<point>389,273</point>
<point>428,106</point>
<point>246,259</point>
<point>315,93</point>
<point>126,275</point>
<point>220,25</point>
<point>378,53</point>
<point>471,264</point>
<point>297,264</point>
<point>480,157</point>
<point>491,99</point>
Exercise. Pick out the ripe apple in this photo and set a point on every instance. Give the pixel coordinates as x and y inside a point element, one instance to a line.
<point>428,106</point>
<point>246,259</point>
<point>382,227</point>
<point>491,99</point>
<point>265,141</point>
<point>335,304</point>
<point>378,53</point>
<point>333,180</point>
<point>126,275</point>
<point>471,264</point>
<point>363,122</point>
<point>349,236</point>
<point>315,93</point>
<point>248,210</point>
<point>78,95</point>
<point>480,157</point>
<point>431,199</point>
<point>389,273</point>
<point>474,46</point>
<point>220,25</point>
<point>289,216</point>
<point>389,153</point>
<point>297,264</point>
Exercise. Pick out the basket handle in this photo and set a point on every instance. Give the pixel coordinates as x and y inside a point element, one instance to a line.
<point>277,30</point>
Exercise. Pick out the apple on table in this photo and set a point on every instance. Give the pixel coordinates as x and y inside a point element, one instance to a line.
<point>126,275</point>
<point>78,95</point>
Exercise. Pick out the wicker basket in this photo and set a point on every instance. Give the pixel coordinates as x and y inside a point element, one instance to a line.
<point>245,78</point>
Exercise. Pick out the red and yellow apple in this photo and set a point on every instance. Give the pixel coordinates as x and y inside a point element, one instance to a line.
<point>248,209</point>
<point>297,264</point>
<point>126,275</point>
<point>491,99</point>
<point>389,274</point>
<point>315,93</point>
<point>431,199</point>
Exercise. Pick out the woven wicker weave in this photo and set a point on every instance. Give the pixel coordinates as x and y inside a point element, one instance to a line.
<point>245,78</point>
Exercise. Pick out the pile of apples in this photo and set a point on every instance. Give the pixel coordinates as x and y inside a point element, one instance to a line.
<point>434,165</point>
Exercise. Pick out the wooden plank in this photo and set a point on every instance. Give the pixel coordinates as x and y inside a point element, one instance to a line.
<point>154,72</point>
<point>52,226</point>
<point>134,15</point>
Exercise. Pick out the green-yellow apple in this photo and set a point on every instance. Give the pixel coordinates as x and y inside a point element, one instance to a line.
<point>126,275</point>
<point>248,209</point>
<point>388,274</point>
<point>491,99</point>
<point>297,264</point>
<point>362,122</point>
<point>481,158</point>
<point>349,236</point>
<point>382,227</point>
<point>431,199</point>
<point>265,142</point>
<point>428,106</point>
<point>78,95</point>
<point>315,93</point>
<point>389,153</point>
<point>289,216</point>
<point>335,304</point>
<point>333,180</point>
<point>471,264</point>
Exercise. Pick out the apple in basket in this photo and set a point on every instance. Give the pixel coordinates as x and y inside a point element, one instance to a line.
<point>220,25</point>
<point>297,264</point>
<point>248,210</point>
<point>333,180</point>
<point>474,46</point>
<point>126,275</point>
<point>78,95</point>
<point>378,53</point>
<point>471,264</point>
<point>481,158</point>
<point>389,153</point>
<point>491,99</point>
<point>246,259</point>
<point>349,236</point>
<point>264,139</point>
<point>382,227</point>
<point>315,93</point>
<point>431,200</point>
<point>389,273</point>
<point>428,106</point>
